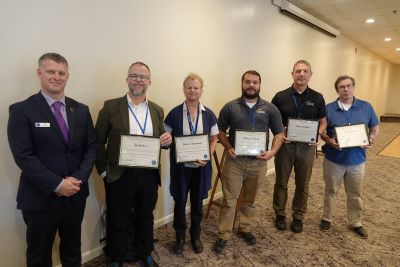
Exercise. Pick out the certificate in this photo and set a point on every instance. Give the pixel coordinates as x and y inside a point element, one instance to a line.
<point>304,131</point>
<point>250,143</point>
<point>139,151</point>
<point>352,136</point>
<point>190,148</point>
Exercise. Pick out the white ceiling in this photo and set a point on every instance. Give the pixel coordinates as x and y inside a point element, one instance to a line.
<point>349,17</point>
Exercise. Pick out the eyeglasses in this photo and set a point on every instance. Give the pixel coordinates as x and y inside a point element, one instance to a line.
<point>139,77</point>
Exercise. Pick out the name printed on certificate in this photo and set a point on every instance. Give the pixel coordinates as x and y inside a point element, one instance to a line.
<point>250,143</point>
<point>139,151</point>
<point>352,136</point>
<point>190,148</point>
<point>304,131</point>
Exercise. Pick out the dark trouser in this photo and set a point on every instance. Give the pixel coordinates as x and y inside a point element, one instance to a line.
<point>131,247</point>
<point>131,250</point>
<point>41,230</point>
<point>299,156</point>
<point>192,178</point>
<point>137,189</point>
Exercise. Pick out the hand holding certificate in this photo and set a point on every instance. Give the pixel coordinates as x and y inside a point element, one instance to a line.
<point>250,143</point>
<point>190,148</point>
<point>305,131</point>
<point>352,136</point>
<point>139,151</point>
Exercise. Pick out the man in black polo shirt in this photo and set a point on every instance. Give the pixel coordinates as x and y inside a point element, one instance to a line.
<point>250,113</point>
<point>301,102</point>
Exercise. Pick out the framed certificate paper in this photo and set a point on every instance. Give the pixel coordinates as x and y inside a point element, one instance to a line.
<point>139,151</point>
<point>189,148</point>
<point>250,143</point>
<point>352,136</point>
<point>304,131</point>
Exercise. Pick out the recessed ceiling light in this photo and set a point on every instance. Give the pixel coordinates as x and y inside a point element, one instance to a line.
<point>397,49</point>
<point>370,21</point>
<point>388,39</point>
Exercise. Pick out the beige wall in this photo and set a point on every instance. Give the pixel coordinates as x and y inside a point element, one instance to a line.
<point>393,105</point>
<point>217,39</point>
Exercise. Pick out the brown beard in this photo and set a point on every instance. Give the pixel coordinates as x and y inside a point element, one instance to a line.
<point>244,93</point>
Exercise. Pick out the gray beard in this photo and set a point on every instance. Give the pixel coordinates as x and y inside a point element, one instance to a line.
<point>136,93</point>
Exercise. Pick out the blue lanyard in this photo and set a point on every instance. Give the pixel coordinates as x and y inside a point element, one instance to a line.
<point>297,105</point>
<point>193,129</point>
<point>348,113</point>
<point>145,120</point>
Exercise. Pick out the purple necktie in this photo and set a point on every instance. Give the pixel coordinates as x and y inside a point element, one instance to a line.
<point>60,120</point>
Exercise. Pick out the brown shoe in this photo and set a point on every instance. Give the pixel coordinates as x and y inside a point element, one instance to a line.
<point>360,231</point>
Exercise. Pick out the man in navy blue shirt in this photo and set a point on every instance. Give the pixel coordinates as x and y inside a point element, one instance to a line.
<point>346,165</point>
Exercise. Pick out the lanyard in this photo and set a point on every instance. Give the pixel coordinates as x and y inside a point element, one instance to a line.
<point>193,128</point>
<point>347,113</point>
<point>145,120</point>
<point>299,108</point>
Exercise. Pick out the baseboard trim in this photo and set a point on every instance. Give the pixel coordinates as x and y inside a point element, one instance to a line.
<point>90,255</point>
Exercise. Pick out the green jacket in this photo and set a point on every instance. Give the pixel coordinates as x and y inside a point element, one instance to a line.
<point>112,122</point>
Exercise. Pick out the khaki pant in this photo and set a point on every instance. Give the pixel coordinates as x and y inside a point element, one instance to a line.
<point>299,156</point>
<point>245,172</point>
<point>351,176</point>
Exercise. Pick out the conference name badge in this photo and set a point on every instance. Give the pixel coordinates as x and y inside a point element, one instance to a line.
<point>42,124</point>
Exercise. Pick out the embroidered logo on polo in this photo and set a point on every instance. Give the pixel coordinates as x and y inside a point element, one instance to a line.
<point>309,103</point>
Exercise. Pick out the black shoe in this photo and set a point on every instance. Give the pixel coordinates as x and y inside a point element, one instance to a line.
<point>149,262</point>
<point>178,246</point>
<point>280,222</point>
<point>114,264</point>
<point>324,225</point>
<point>297,226</point>
<point>131,258</point>
<point>219,245</point>
<point>197,245</point>
<point>248,237</point>
<point>360,231</point>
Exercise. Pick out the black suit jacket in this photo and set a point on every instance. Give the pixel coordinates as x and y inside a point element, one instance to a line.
<point>42,154</point>
<point>112,122</point>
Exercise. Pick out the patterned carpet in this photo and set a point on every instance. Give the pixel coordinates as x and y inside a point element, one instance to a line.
<point>338,247</point>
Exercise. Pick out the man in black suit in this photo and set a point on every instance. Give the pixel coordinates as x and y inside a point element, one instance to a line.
<point>130,188</point>
<point>53,142</point>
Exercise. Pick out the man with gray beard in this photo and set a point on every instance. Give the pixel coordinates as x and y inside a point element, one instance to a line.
<point>129,188</point>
